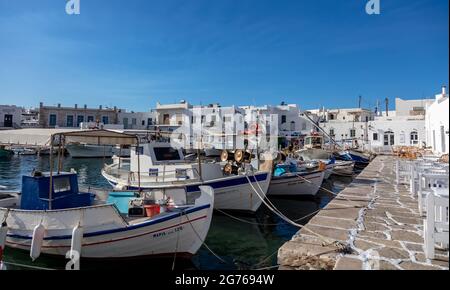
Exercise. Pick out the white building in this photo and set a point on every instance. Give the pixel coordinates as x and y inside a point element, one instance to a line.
<point>10,117</point>
<point>137,120</point>
<point>437,123</point>
<point>170,117</point>
<point>30,118</point>
<point>378,132</point>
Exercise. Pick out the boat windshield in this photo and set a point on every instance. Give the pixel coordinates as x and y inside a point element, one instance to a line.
<point>167,154</point>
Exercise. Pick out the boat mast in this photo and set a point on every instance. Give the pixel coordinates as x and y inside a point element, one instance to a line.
<point>50,192</point>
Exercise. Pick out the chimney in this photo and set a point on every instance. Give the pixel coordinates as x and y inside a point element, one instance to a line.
<point>59,105</point>
<point>85,107</point>
<point>76,106</point>
<point>41,104</point>
<point>115,108</point>
<point>387,107</point>
<point>100,107</point>
<point>444,90</point>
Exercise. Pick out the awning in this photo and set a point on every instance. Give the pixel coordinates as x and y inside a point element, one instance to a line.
<point>29,137</point>
<point>98,137</point>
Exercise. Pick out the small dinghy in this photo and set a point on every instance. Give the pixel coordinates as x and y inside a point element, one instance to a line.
<point>127,225</point>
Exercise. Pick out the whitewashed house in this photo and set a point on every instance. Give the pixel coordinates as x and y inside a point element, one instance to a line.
<point>437,123</point>
<point>172,116</point>
<point>137,120</point>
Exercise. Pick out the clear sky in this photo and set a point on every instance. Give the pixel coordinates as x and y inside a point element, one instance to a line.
<point>133,53</point>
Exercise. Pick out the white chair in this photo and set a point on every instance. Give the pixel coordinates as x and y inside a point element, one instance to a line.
<point>403,171</point>
<point>426,183</point>
<point>436,224</point>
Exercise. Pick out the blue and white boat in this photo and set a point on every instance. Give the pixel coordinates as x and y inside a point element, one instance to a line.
<point>159,166</point>
<point>360,158</point>
<point>55,218</point>
<point>291,180</point>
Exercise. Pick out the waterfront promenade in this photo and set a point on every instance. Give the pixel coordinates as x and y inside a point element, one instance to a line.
<point>377,220</point>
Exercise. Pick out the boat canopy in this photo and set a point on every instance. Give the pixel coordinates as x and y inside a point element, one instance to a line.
<point>99,137</point>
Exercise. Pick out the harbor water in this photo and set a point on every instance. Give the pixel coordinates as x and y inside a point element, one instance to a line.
<point>235,240</point>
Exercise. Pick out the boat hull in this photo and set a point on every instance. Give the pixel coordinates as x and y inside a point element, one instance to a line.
<point>344,168</point>
<point>293,185</point>
<point>181,232</point>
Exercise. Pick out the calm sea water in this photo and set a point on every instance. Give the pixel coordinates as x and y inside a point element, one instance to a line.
<point>248,243</point>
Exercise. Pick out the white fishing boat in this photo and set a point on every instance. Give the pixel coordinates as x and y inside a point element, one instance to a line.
<point>158,165</point>
<point>68,220</point>
<point>23,151</point>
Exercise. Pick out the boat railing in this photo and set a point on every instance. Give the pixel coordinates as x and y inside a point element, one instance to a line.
<point>153,174</point>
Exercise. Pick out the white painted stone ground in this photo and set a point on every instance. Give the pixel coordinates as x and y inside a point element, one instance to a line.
<point>377,219</point>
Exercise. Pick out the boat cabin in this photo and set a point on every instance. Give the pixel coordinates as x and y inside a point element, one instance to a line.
<point>64,194</point>
<point>314,141</point>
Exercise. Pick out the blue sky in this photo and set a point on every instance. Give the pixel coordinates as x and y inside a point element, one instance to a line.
<point>134,53</point>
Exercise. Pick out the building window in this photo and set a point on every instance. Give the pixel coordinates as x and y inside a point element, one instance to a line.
<point>69,122</point>
<point>283,119</point>
<point>389,139</point>
<point>331,117</point>
<point>332,132</point>
<point>149,121</point>
<point>90,119</point>
<point>375,137</point>
<point>292,126</point>
<point>133,121</point>
<point>143,122</point>
<point>52,120</point>
<point>414,138</point>
<point>105,120</point>
<point>125,123</point>
<point>80,119</point>
<point>352,133</point>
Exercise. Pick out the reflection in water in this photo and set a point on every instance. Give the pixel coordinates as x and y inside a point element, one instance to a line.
<point>248,244</point>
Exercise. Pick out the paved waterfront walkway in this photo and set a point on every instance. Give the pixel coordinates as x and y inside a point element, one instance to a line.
<point>376,218</point>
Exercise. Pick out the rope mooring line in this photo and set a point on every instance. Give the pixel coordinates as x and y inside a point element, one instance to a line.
<point>204,243</point>
<point>327,190</point>
<point>327,241</point>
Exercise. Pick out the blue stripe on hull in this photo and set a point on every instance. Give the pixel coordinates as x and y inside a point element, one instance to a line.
<point>129,228</point>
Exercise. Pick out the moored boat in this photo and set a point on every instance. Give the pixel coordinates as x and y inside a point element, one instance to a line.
<point>65,220</point>
<point>159,166</point>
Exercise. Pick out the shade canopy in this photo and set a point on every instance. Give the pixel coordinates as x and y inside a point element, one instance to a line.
<point>98,137</point>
